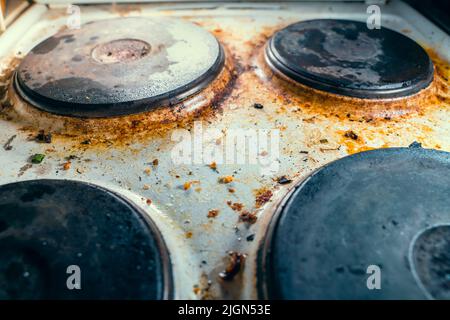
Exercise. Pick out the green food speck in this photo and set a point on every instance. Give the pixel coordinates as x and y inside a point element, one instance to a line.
<point>37,158</point>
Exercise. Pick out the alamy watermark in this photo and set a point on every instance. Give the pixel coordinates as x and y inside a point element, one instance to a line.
<point>374,19</point>
<point>73,21</point>
<point>74,280</point>
<point>201,146</point>
<point>374,280</point>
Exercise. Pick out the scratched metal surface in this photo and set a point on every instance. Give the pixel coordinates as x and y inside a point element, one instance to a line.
<point>119,153</point>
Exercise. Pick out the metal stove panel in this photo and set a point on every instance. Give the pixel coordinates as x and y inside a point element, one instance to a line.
<point>312,131</point>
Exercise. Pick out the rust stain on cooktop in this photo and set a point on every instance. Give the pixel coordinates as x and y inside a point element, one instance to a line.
<point>312,101</point>
<point>121,131</point>
<point>245,80</point>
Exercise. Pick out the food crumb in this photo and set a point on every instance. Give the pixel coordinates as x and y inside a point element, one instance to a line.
<point>37,158</point>
<point>147,171</point>
<point>43,137</point>
<point>350,134</point>
<point>86,142</point>
<point>188,234</point>
<point>146,187</point>
<point>235,206</point>
<point>213,165</point>
<point>24,169</point>
<point>249,217</point>
<point>226,179</point>
<point>262,196</point>
<point>7,146</point>
<point>283,180</point>
<point>148,201</point>
<point>187,185</point>
<point>235,264</point>
<point>67,165</point>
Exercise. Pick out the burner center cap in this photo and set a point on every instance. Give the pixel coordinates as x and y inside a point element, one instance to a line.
<point>121,50</point>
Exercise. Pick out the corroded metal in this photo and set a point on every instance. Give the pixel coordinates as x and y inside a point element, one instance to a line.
<point>189,204</point>
<point>119,66</point>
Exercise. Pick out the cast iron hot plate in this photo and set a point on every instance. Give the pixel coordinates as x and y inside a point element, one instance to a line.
<point>378,208</point>
<point>46,226</point>
<point>347,58</point>
<point>119,66</point>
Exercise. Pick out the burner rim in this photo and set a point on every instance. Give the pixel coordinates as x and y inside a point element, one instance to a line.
<point>279,64</point>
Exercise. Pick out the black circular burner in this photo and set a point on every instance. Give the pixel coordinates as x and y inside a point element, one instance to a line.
<point>119,66</point>
<point>356,215</point>
<point>347,58</point>
<point>49,228</point>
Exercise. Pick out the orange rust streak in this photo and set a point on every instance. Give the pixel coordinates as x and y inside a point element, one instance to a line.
<point>313,101</point>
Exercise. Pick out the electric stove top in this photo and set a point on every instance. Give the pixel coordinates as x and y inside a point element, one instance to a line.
<point>224,151</point>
